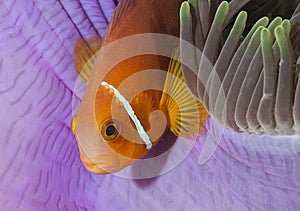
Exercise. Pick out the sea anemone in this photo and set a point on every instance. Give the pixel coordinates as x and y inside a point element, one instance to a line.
<point>248,82</point>
<point>40,168</point>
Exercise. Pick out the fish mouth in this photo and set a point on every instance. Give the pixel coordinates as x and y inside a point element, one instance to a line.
<point>107,166</point>
<point>94,168</point>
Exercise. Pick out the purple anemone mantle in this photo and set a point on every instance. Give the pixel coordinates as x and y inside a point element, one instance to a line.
<point>40,167</point>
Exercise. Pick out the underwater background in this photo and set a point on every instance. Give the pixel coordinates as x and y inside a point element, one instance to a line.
<point>40,168</point>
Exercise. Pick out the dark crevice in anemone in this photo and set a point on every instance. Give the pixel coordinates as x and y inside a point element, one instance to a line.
<point>45,112</point>
<point>86,15</point>
<point>203,10</point>
<point>28,43</point>
<point>8,11</point>
<point>260,8</point>
<point>26,89</point>
<point>116,2</point>
<point>213,6</point>
<point>234,8</point>
<point>19,120</point>
<point>108,5</point>
<point>16,79</point>
<point>70,18</point>
<point>105,18</point>
<point>197,28</point>
<point>52,29</point>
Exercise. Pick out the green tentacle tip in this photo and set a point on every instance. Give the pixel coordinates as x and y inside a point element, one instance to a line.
<point>242,15</point>
<point>266,39</point>
<point>257,33</point>
<point>241,19</point>
<point>223,8</point>
<point>264,21</point>
<point>194,4</point>
<point>265,35</point>
<point>221,14</point>
<point>279,32</point>
<point>255,38</point>
<point>286,24</point>
<point>281,38</point>
<point>276,22</point>
<point>266,44</point>
<point>239,24</point>
<point>185,11</point>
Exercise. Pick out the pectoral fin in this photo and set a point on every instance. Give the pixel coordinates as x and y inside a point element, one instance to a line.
<point>186,114</point>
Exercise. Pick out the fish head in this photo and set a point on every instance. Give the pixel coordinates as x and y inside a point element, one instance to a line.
<point>123,130</point>
<point>112,131</point>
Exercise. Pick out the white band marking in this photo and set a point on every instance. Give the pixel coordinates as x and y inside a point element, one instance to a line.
<point>141,131</point>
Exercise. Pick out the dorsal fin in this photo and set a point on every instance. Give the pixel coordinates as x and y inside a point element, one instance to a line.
<point>186,114</point>
<point>85,54</point>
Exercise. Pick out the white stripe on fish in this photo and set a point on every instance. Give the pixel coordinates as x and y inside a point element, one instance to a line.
<point>141,131</point>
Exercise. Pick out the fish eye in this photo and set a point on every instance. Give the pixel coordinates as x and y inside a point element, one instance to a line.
<point>110,130</point>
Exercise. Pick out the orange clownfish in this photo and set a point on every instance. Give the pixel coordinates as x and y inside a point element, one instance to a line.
<point>113,130</point>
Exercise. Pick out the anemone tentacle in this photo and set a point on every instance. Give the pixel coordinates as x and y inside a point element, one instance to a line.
<point>251,83</point>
